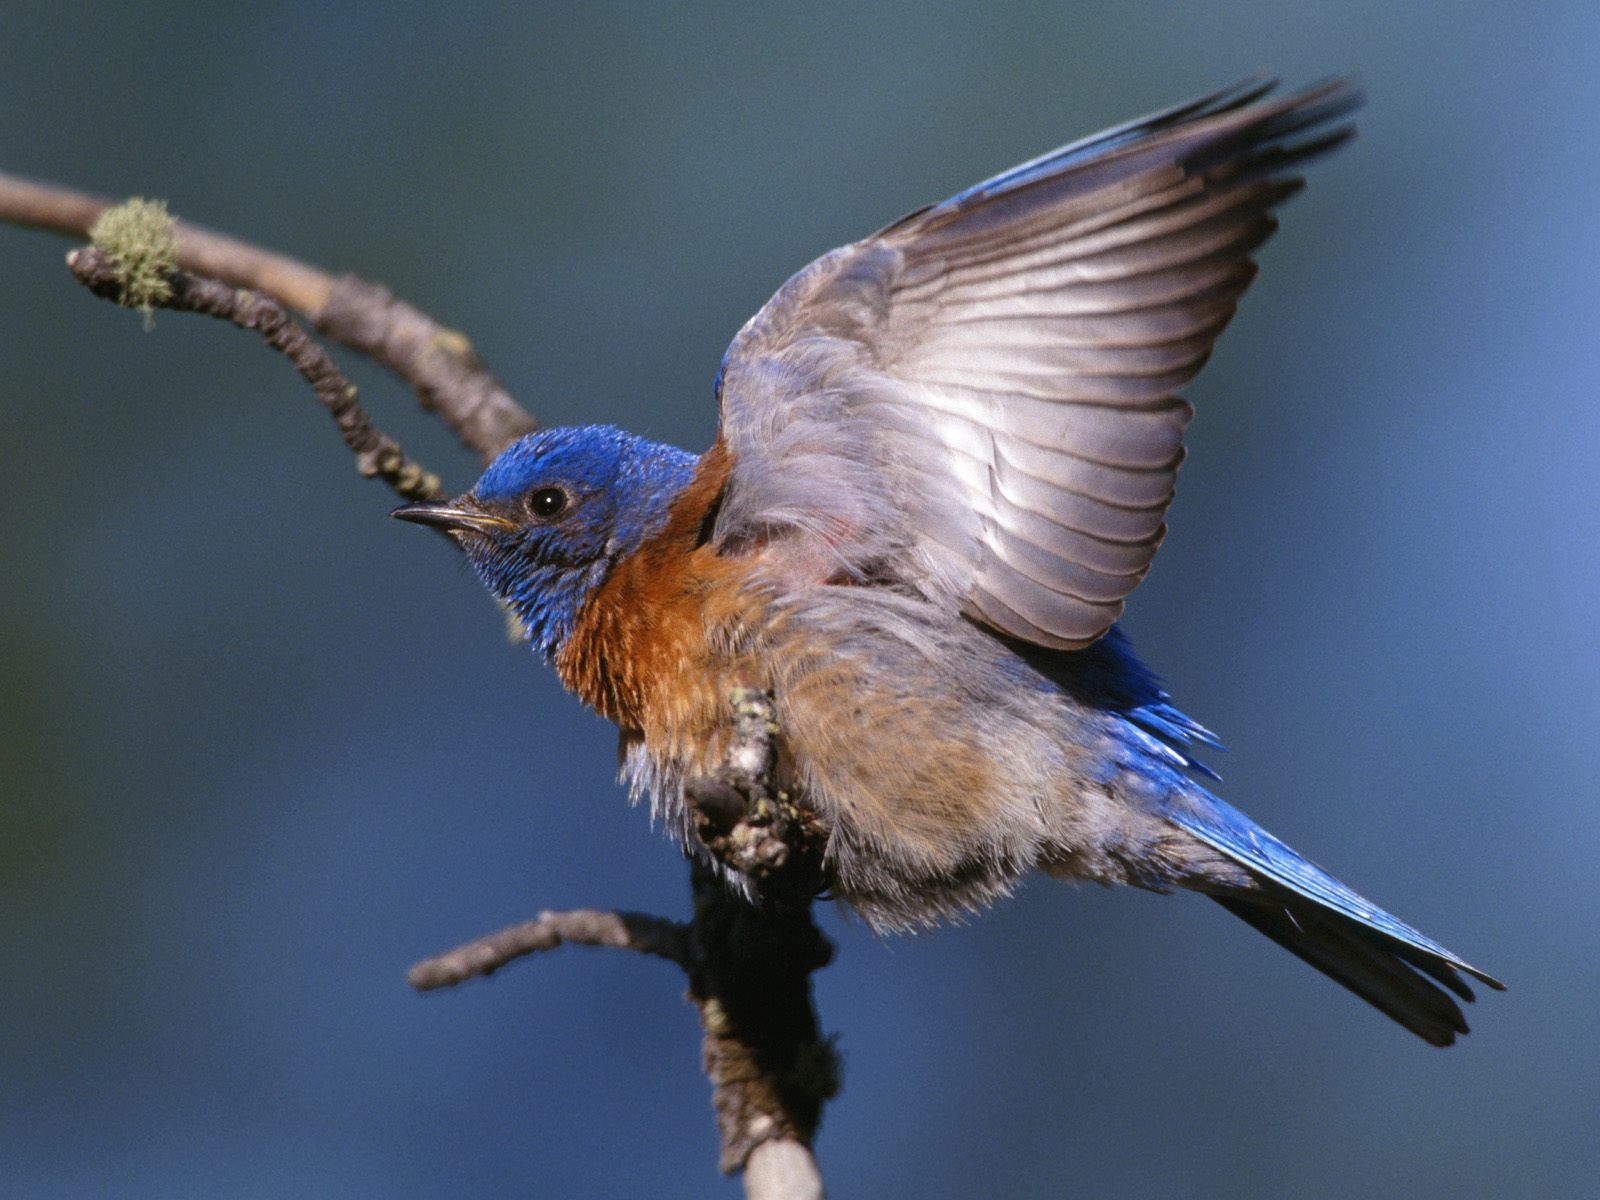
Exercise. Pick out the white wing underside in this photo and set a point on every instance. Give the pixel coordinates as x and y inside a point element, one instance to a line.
<point>979,401</point>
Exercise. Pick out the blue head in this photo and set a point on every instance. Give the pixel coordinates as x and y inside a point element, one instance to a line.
<point>550,517</point>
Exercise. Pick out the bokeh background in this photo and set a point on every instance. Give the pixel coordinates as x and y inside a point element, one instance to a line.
<point>261,747</point>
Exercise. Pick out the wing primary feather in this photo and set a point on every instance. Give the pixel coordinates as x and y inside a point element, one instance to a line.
<point>1053,248</point>
<point>1227,99</point>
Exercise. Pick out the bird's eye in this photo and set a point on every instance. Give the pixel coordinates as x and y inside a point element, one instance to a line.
<point>547,502</point>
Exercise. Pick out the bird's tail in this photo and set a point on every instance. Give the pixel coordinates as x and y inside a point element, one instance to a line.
<point>1400,972</point>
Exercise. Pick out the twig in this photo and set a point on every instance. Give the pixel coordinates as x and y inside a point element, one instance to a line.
<point>581,927</point>
<point>377,454</point>
<point>437,362</point>
<point>295,284</point>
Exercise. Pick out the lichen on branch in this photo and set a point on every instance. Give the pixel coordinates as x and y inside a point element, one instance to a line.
<point>141,238</point>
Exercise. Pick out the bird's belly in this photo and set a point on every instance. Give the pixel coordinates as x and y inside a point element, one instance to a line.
<point>943,766</point>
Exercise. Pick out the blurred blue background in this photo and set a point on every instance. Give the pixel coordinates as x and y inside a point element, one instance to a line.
<point>261,747</point>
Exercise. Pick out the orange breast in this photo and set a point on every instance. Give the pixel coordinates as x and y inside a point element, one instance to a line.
<point>649,650</point>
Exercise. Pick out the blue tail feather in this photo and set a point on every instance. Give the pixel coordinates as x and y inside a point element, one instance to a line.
<point>1222,827</point>
<point>1392,966</point>
<point>1312,914</point>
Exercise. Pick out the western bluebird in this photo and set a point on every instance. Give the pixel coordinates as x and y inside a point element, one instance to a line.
<point>945,456</point>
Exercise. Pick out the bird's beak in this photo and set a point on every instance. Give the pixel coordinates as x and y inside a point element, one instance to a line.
<point>450,517</point>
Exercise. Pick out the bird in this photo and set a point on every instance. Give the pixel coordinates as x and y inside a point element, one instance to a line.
<point>944,459</point>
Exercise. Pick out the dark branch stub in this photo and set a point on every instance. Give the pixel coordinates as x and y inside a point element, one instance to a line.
<point>749,974</point>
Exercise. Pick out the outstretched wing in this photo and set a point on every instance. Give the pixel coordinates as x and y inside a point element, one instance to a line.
<point>979,401</point>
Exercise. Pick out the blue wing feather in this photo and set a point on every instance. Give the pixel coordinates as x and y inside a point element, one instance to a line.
<point>1109,675</point>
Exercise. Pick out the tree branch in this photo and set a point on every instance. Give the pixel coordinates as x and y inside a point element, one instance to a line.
<point>437,362</point>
